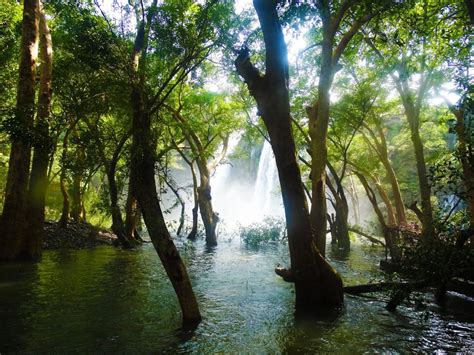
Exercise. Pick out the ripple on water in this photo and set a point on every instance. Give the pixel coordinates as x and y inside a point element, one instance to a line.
<point>111,300</point>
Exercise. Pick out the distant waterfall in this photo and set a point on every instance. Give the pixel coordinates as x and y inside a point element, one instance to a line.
<point>241,201</point>
<point>264,198</point>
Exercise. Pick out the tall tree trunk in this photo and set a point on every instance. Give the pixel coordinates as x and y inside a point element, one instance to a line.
<point>192,235</point>
<point>386,231</point>
<point>465,151</point>
<point>397,196</point>
<point>143,175</point>
<point>132,216</point>
<point>14,207</point>
<point>77,181</point>
<point>387,202</point>
<point>316,282</point>
<point>425,189</point>
<point>342,210</point>
<point>143,180</point>
<point>34,230</point>
<point>208,216</point>
<point>65,214</point>
<point>354,200</point>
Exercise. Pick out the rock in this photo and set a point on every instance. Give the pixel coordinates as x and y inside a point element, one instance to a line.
<point>76,236</point>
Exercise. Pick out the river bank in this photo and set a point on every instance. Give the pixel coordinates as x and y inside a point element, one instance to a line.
<point>76,236</point>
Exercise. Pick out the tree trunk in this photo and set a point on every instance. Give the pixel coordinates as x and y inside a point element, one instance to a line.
<point>397,196</point>
<point>142,178</point>
<point>62,181</point>
<point>466,156</point>
<point>208,216</point>
<point>192,235</point>
<point>34,230</point>
<point>387,202</point>
<point>132,217</point>
<point>425,190</point>
<point>76,205</point>
<point>14,207</point>
<point>316,282</point>
<point>342,210</point>
<point>387,233</point>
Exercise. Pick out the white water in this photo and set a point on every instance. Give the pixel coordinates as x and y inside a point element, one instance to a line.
<point>243,202</point>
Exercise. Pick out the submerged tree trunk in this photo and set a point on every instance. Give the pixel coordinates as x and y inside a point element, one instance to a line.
<point>192,235</point>
<point>143,174</point>
<point>132,217</point>
<point>425,189</point>
<point>209,217</point>
<point>42,146</point>
<point>341,224</point>
<point>316,282</point>
<point>142,177</point>
<point>14,207</point>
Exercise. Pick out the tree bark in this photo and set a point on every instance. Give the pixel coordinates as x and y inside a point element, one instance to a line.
<point>316,282</point>
<point>389,238</point>
<point>397,196</point>
<point>192,235</point>
<point>142,178</point>
<point>466,155</point>
<point>62,181</point>
<point>76,203</point>
<point>209,217</point>
<point>342,210</point>
<point>15,204</point>
<point>132,216</point>
<point>34,230</point>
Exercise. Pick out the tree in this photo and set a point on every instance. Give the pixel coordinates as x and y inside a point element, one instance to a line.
<point>316,282</point>
<point>41,144</point>
<point>335,20</point>
<point>14,208</point>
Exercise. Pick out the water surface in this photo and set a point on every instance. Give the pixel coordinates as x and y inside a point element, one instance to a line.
<point>111,300</point>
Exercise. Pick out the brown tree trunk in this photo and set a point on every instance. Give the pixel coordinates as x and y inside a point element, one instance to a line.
<point>132,216</point>
<point>208,216</point>
<point>14,207</point>
<point>387,202</point>
<point>76,204</point>
<point>62,181</point>
<point>316,282</point>
<point>466,155</point>
<point>143,181</point>
<point>425,189</point>
<point>342,210</point>
<point>397,196</point>
<point>42,147</point>
<point>386,231</point>
<point>192,235</point>
<point>143,175</point>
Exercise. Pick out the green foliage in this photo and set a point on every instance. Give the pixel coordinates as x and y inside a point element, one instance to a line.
<point>270,230</point>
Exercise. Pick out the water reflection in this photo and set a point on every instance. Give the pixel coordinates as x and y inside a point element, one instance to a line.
<point>108,300</point>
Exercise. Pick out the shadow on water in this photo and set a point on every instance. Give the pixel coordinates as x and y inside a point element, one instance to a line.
<point>109,300</point>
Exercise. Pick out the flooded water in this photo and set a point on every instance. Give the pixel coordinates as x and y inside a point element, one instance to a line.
<point>109,300</point>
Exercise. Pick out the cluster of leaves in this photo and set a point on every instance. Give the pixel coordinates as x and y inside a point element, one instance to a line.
<point>270,230</point>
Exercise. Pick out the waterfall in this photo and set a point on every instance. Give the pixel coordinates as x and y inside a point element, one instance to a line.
<point>265,199</point>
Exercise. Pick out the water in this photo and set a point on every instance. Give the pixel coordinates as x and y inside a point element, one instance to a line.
<point>241,202</point>
<point>109,300</point>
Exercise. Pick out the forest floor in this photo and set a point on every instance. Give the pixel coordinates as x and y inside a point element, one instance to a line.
<point>76,236</point>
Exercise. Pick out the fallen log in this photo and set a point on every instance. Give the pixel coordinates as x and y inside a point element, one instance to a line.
<point>369,237</point>
<point>383,286</point>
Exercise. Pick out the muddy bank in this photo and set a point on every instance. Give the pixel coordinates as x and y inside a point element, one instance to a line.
<point>76,236</point>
